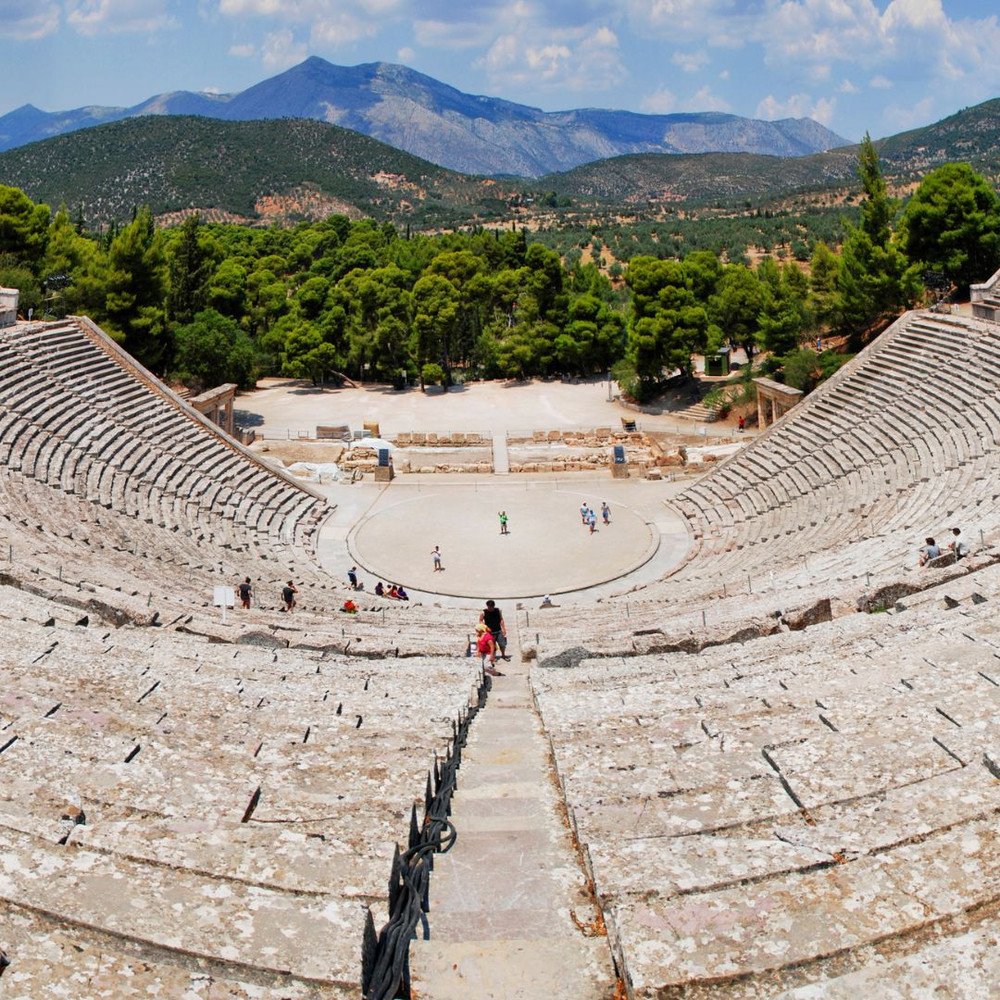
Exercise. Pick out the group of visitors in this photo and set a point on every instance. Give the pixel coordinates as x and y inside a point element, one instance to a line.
<point>395,591</point>
<point>931,550</point>
<point>491,637</point>
<point>245,592</point>
<point>589,518</point>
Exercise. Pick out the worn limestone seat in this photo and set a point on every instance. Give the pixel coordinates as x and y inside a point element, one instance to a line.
<point>806,807</point>
<point>182,815</point>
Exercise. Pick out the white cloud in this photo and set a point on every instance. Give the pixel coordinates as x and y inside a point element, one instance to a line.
<point>880,82</point>
<point>98,17</point>
<point>717,22</point>
<point>406,54</point>
<point>770,107</point>
<point>450,35</point>
<point>660,102</point>
<point>823,109</point>
<point>847,87</point>
<point>26,20</point>
<point>704,100</point>
<point>901,117</point>
<point>341,28</point>
<point>797,106</point>
<point>578,59</point>
<point>690,62</point>
<point>243,51</point>
<point>318,15</point>
<point>817,31</point>
<point>280,50</point>
<point>260,8</point>
<point>663,101</point>
<point>920,14</point>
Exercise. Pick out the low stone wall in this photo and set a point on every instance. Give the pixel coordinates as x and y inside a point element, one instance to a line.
<point>593,450</point>
<point>453,440</point>
<point>587,450</point>
<point>366,459</point>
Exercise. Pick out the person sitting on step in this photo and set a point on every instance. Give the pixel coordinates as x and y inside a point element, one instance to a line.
<point>928,551</point>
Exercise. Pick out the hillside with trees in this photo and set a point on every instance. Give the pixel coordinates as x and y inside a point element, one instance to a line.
<point>290,170</point>
<point>270,171</point>
<point>213,302</point>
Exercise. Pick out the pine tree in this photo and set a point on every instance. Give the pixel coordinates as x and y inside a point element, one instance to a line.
<point>876,280</point>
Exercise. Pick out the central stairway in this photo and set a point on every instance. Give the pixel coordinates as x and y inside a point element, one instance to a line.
<point>511,916</point>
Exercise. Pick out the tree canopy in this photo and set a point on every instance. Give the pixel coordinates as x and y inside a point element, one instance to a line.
<point>952,225</point>
<point>211,301</point>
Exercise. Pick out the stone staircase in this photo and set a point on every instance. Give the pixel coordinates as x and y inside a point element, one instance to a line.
<point>512,916</point>
<point>697,412</point>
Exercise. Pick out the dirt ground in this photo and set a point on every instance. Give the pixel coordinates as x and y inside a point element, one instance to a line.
<point>320,452</point>
<point>284,408</point>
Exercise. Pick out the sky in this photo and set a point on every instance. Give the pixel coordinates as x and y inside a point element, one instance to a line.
<point>853,65</point>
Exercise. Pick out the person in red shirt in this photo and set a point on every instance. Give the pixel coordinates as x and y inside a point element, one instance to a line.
<point>487,647</point>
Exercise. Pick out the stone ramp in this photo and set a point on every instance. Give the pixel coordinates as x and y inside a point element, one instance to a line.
<point>501,457</point>
<point>511,915</point>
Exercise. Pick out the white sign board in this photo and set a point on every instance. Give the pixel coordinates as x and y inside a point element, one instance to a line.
<point>225,597</point>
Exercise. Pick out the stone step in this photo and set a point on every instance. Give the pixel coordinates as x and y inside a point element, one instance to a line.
<point>511,914</point>
<point>184,913</point>
<point>696,411</point>
<point>511,969</point>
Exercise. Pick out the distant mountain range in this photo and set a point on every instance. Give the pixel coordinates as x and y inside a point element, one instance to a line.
<point>285,170</point>
<point>972,135</point>
<point>463,132</point>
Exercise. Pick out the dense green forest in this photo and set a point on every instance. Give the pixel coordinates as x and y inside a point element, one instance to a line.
<point>207,303</point>
<point>726,232</point>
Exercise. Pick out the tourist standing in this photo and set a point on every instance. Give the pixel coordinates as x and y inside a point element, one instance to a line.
<point>606,512</point>
<point>288,593</point>
<point>503,522</point>
<point>352,576</point>
<point>492,617</point>
<point>245,590</point>
<point>436,556</point>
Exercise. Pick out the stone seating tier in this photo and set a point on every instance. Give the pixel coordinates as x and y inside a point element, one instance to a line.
<point>119,419</point>
<point>177,803</point>
<point>65,546</point>
<point>753,810</point>
<point>837,496</point>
